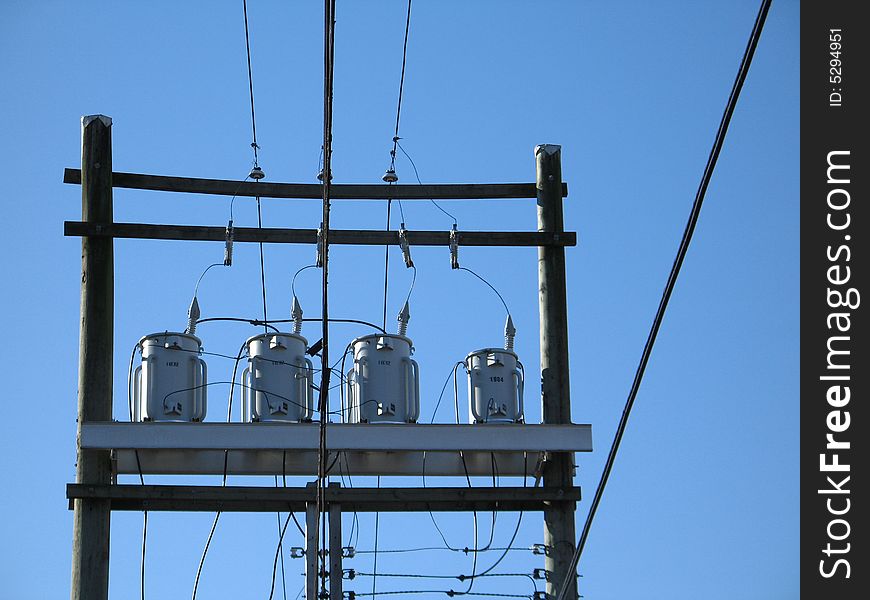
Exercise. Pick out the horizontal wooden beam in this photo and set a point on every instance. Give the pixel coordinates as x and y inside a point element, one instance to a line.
<point>223,187</point>
<point>265,499</point>
<point>309,236</point>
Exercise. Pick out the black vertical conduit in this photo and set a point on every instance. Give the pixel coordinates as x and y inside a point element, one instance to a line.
<point>328,72</point>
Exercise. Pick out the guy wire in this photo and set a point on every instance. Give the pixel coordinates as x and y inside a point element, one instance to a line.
<point>669,286</point>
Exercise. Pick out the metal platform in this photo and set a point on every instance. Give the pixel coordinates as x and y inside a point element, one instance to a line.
<point>355,449</point>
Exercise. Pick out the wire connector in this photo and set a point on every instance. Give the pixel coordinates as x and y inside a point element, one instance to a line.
<point>543,574</point>
<point>348,552</point>
<point>349,595</point>
<point>454,248</point>
<point>405,246</point>
<point>541,549</point>
<point>540,595</point>
<point>297,552</point>
<point>318,260</point>
<point>228,244</point>
<point>348,574</point>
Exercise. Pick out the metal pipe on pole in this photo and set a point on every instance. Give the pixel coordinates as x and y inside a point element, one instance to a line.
<point>91,517</point>
<point>558,471</point>
<point>335,558</point>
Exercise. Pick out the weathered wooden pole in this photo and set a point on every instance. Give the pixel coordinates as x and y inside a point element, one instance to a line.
<point>555,389</point>
<point>90,560</point>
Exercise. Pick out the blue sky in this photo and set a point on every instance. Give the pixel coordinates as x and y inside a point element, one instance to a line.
<point>703,498</point>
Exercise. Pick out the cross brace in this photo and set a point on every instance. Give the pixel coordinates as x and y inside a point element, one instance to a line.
<point>265,499</point>
<point>314,191</point>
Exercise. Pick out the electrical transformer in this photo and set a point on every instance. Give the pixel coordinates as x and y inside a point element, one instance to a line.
<point>170,384</point>
<point>383,386</point>
<point>495,386</point>
<point>276,384</point>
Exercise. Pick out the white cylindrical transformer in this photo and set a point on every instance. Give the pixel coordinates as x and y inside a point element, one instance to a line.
<point>170,384</point>
<point>276,384</point>
<point>384,384</point>
<point>495,386</point>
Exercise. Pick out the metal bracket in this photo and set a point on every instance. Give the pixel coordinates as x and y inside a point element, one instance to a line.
<point>113,465</point>
<point>543,457</point>
<point>318,261</point>
<point>405,246</point>
<point>454,248</point>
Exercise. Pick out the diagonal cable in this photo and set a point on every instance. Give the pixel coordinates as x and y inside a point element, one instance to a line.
<point>672,280</point>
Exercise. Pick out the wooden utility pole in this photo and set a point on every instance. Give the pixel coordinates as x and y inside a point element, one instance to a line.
<point>555,389</point>
<point>90,560</point>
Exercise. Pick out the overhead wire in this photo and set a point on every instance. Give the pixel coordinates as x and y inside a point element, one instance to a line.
<point>419,182</point>
<point>281,547</point>
<point>259,322</point>
<point>490,286</point>
<point>223,478</point>
<point>375,558</point>
<point>671,283</point>
<point>386,264</point>
<point>460,577</point>
<point>392,168</point>
<point>254,144</point>
<point>449,593</point>
<point>141,478</point>
<point>262,267</point>
<point>465,550</point>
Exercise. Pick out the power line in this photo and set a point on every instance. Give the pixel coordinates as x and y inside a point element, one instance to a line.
<point>386,263</point>
<point>392,169</point>
<point>402,78</point>
<point>672,280</point>
<point>254,145</point>
<point>419,182</point>
<point>262,267</point>
<point>396,137</point>
<point>217,515</point>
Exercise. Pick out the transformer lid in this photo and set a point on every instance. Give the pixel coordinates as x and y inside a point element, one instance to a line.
<point>270,338</point>
<point>485,351</point>
<point>165,334</point>
<point>377,337</point>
